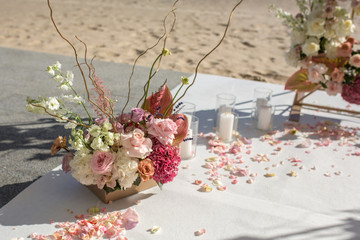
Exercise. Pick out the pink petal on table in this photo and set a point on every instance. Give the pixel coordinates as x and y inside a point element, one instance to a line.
<point>131,218</point>
<point>200,232</point>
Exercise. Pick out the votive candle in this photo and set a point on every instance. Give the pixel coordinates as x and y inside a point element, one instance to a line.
<point>265,118</point>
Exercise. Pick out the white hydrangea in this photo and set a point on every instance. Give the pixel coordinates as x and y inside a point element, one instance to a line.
<point>53,104</point>
<point>297,37</point>
<point>311,47</point>
<point>125,169</point>
<point>316,27</point>
<point>81,169</point>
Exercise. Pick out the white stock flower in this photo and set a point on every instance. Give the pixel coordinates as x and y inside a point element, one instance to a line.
<point>125,169</point>
<point>57,65</point>
<point>58,78</point>
<point>94,130</point>
<point>311,47</point>
<point>316,27</point>
<point>341,13</point>
<point>106,126</point>
<point>69,77</point>
<point>297,37</point>
<point>77,144</point>
<point>53,104</point>
<point>78,99</point>
<point>98,144</point>
<point>109,138</point>
<point>64,87</point>
<point>50,70</point>
<point>70,125</point>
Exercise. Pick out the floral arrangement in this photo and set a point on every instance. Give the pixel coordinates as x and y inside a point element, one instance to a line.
<point>117,151</point>
<point>321,44</point>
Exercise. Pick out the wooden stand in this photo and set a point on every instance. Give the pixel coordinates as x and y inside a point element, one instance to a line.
<point>299,103</point>
<point>115,195</point>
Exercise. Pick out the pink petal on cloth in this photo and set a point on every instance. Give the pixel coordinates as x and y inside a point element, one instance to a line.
<point>131,218</point>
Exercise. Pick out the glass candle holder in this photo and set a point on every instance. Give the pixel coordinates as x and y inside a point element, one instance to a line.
<point>262,97</point>
<point>188,146</point>
<point>188,109</point>
<point>227,126</point>
<point>225,117</point>
<point>265,117</point>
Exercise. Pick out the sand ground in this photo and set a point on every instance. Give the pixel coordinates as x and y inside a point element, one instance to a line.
<point>118,30</point>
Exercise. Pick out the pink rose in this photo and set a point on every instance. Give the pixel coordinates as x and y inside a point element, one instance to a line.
<point>130,219</point>
<point>163,130</point>
<point>333,88</point>
<point>337,75</point>
<point>101,162</point>
<point>355,60</point>
<point>345,49</point>
<point>136,144</point>
<point>66,162</point>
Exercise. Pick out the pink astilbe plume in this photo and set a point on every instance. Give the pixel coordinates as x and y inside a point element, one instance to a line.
<point>103,96</point>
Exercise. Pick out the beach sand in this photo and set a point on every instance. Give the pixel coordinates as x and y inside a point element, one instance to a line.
<point>118,30</point>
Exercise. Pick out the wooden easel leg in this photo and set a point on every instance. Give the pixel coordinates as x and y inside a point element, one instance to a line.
<point>296,108</point>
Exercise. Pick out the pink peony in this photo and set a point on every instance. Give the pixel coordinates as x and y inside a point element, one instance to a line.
<point>345,49</point>
<point>137,115</point>
<point>355,60</point>
<point>130,219</point>
<point>66,162</point>
<point>101,162</point>
<point>351,92</point>
<point>333,88</point>
<point>337,75</point>
<point>166,160</point>
<point>136,144</point>
<point>163,129</point>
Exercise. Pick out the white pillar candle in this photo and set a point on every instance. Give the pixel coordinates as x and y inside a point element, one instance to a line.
<point>265,118</point>
<point>260,102</point>
<point>186,151</point>
<point>226,125</point>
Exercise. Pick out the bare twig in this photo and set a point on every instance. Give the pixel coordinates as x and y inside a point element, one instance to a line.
<point>212,50</point>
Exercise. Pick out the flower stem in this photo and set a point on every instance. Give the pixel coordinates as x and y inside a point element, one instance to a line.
<point>150,76</point>
<point>168,107</point>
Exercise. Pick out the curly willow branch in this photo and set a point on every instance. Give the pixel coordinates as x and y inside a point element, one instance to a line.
<point>166,35</point>
<point>56,116</point>
<point>212,50</point>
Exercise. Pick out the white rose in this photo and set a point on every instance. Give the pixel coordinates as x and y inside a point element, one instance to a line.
<point>311,47</point>
<point>344,27</point>
<point>316,27</point>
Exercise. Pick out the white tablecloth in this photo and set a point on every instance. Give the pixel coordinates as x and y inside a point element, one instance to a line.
<point>309,206</point>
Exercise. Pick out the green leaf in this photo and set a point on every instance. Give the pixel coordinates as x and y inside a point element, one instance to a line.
<point>160,185</point>
<point>299,81</point>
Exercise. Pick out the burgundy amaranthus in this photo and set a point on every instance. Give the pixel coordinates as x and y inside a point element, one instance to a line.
<point>351,92</point>
<point>166,160</point>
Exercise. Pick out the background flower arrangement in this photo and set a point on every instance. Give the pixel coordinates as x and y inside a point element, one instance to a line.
<point>117,151</point>
<point>323,48</point>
